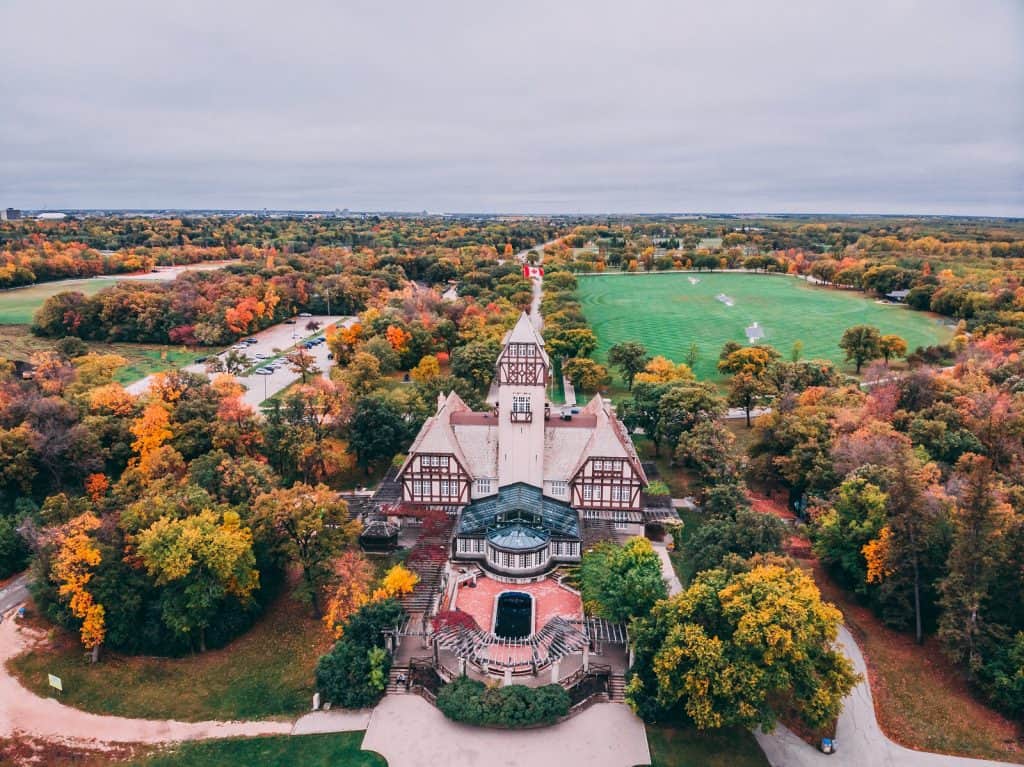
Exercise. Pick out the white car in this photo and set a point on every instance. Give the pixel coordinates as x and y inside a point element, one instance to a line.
<point>261,357</point>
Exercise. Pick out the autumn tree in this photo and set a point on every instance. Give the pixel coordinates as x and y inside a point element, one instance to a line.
<point>427,370</point>
<point>200,561</point>
<point>397,581</point>
<point>308,525</point>
<point>303,363</point>
<point>892,346</point>
<point>630,358</point>
<point>353,578</point>
<point>737,650</point>
<point>151,430</point>
<point>840,531</point>
<point>585,374</point>
<point>752,360</point>
<point>861,344</point>
<point>72,568</point>
<point>662,370</point>
<point>905,569</point>
<point>746,390</point>
<point>363,374</point>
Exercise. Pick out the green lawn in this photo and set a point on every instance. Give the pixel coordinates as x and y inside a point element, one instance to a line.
<point>331,750</point>
<point>686,747</point>
<point>266,672</point>
<point>18,305</point>
<point>666,313</point>
<point>17,342</point>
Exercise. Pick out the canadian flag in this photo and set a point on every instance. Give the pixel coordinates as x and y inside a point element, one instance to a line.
<point>529,272</point>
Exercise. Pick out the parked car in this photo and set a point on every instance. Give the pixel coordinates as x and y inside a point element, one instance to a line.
<point>200,360</point>
<point>261,356</point>
<point>289,322</point>
<point>250,340</point>
<point>305,314</point>
<point>263,371</point>
<point>330,356</point>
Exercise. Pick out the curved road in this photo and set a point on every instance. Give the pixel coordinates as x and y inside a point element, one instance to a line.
<point>860,741</point>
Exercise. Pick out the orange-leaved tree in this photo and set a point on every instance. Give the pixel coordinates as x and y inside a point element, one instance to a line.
<point>76,559</point>
<point>354,575</point>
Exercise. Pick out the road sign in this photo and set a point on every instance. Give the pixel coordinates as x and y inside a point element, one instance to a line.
<point>55,682</point>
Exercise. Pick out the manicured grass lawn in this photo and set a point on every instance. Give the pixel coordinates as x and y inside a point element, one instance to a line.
<point>18,305</point>
<point>921,700</point>
<point>331,750</point>
<point>666,313</point>
<point>17,342</point>
<point>266,672</point>
<point>687,747</point>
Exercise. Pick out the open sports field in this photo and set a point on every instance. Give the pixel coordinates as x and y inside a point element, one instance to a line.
<point>666,312</point>
<point>19,304</point>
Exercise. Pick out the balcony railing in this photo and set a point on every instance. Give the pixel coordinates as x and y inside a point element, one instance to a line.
<point>521,416</point>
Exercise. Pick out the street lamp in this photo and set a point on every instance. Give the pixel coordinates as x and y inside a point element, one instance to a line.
<point>327,291</point>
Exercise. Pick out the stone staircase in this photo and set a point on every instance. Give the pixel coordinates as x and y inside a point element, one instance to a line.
<point>617,688</point>
<point>395,687</point>
<point>427,559</point>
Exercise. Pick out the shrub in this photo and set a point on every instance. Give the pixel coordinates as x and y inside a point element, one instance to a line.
<point>467,700</point>
<point>657,487</point>
<point>354,673</point>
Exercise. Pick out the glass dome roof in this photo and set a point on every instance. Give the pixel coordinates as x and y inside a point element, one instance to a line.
<point>517,537</point>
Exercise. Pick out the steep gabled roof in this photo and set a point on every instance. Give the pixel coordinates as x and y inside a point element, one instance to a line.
<point>609,439</point>
<point>437,435</point>
<point>525,333</point>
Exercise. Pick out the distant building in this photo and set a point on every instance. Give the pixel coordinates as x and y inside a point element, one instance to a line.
<point>51,216</point>
<point>899,296</point>
<point>12,214</point>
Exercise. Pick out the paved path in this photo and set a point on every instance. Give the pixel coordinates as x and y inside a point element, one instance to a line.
<point>14,593</point>
<point>668,573</point>
<point>409,732</point>
<point>861,742</point>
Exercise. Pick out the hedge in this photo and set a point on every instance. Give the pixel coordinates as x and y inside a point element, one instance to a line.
<point>467,700</point>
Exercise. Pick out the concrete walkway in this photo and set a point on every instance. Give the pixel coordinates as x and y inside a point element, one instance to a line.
<point>667,571</point>
<point>861,742</point>
<point>409,732</point>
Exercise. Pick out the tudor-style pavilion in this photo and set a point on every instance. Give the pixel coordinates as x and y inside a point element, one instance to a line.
<point>521,478</point>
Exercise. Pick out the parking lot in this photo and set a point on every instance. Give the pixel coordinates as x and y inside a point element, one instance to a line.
<point>272,342</point>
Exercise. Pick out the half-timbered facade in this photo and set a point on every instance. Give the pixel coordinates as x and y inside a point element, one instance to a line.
<point>523,476</point>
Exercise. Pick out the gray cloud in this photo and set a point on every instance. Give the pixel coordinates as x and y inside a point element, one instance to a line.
<point>572,106</point>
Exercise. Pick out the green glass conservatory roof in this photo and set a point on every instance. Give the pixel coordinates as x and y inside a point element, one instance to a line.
<point>518,537</point>
<point>520,503</point>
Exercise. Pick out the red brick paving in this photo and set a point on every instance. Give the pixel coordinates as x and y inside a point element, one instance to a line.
<point>550,600</point>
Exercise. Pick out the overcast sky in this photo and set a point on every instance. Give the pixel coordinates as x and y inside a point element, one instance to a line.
<point>893,106</point>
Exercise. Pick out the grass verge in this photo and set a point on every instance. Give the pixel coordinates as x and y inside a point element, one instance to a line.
<point>688,747</point>
<point>278,751</point>
<point>264,673</point>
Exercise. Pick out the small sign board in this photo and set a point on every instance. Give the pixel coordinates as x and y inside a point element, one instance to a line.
<point>55,682</point>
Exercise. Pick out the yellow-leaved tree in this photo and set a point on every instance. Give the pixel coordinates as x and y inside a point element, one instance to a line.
<point>207,557</point>
<point>397,581</point>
